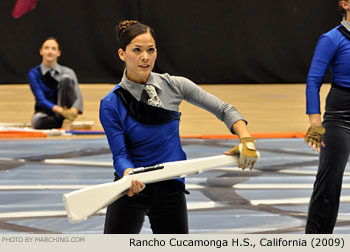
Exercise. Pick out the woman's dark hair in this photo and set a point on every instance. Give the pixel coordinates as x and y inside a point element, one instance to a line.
<point>341,10</point>
<point>50,38</point>
<point>127,30</point>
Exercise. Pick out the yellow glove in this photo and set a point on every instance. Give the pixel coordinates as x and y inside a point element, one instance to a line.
<point>314,136</point>
<point>69,114</point>
<point>247,152</point>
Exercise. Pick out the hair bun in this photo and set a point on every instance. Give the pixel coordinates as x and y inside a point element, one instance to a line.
<point>126,24</point>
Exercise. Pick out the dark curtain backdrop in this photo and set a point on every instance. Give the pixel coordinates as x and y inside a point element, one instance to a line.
<point>208,41</point>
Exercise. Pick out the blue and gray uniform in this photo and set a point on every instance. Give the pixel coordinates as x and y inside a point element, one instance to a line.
<point>134,144</point>
<point>333,52</point>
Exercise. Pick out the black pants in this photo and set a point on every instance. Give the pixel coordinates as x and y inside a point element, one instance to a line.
<point>324,203</point>
<point>163,202</point>
<point>65,97</point>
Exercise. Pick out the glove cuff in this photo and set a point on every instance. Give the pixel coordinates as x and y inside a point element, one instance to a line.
<point>247,139</point>
<point>317,129</point>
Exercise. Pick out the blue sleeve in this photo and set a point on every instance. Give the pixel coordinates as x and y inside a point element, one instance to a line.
<point>110,121</point>
<point>40,98</point>
<point>323,56</point>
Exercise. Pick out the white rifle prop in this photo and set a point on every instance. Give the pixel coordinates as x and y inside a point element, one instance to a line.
<point>83,203</point>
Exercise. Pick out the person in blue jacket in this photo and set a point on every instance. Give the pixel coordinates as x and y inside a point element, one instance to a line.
<point>331,137</point>
<point>58,100</point>
<point>140,117</point>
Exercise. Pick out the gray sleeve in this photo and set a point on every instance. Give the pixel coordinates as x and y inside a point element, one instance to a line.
<point>79,101</point>
<point>199,97</point>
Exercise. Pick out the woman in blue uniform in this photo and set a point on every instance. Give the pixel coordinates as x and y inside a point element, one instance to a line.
<point>141,120</point>
<point>332,136</point>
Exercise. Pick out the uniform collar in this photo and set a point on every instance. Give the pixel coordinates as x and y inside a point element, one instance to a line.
<point>44,69</point>
<point>136,89</point>
<point>346,24</point>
